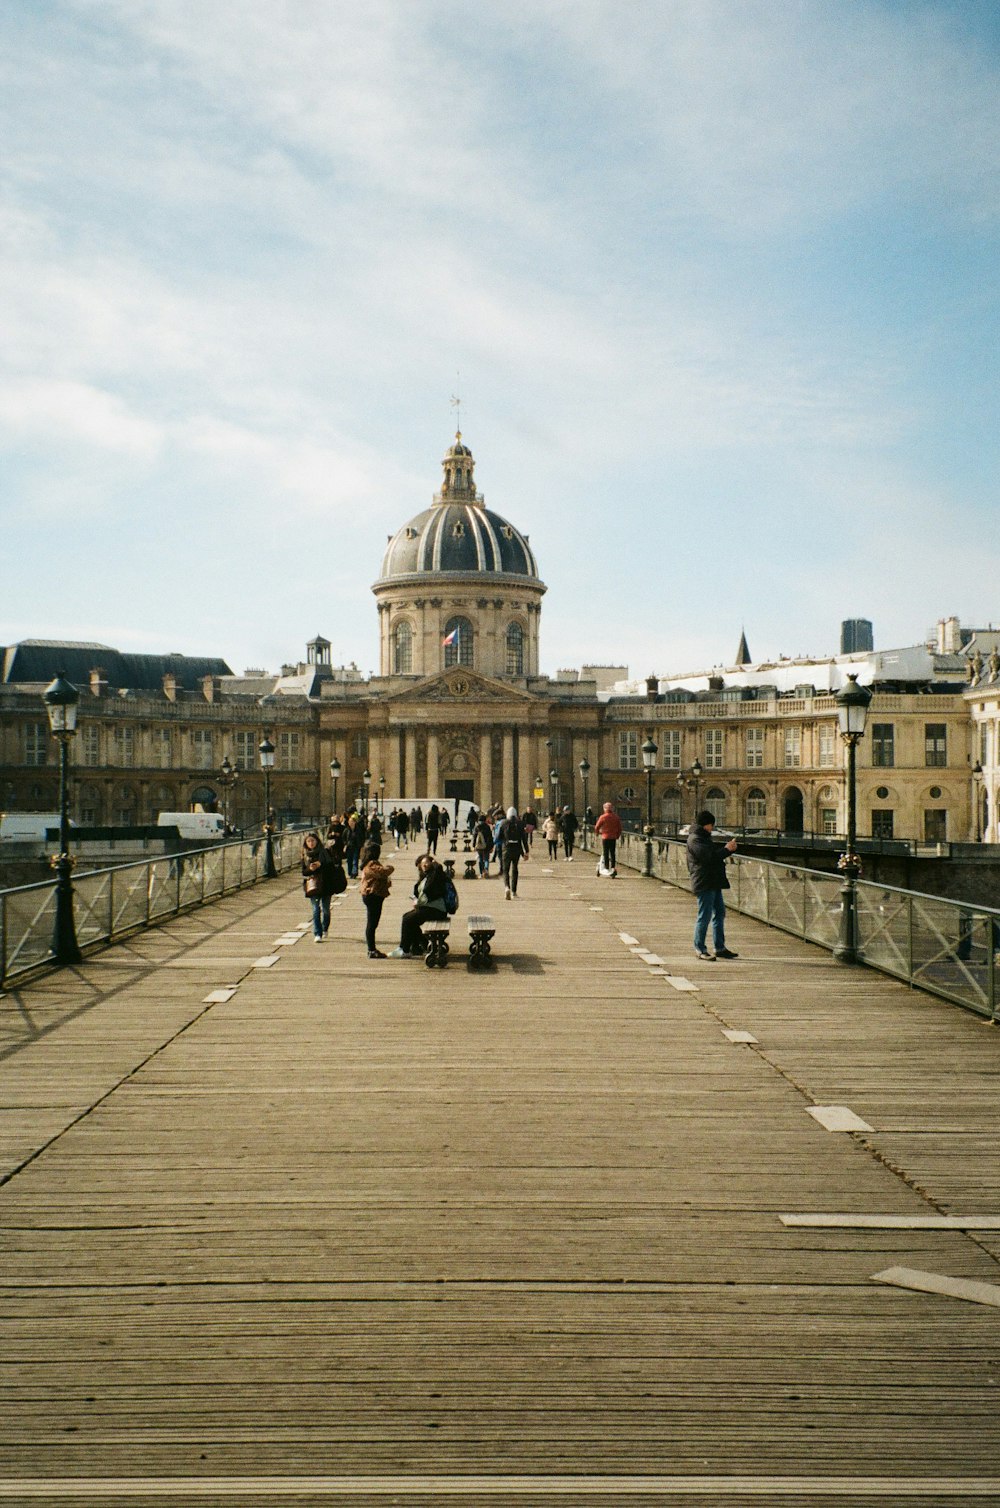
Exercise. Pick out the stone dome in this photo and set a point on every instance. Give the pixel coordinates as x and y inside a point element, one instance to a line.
<point>458,533</point>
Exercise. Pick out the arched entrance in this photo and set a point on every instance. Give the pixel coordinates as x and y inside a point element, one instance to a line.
<point>794,820</point>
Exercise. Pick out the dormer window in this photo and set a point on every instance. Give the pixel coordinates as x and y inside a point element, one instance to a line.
<point>458,530</point>
<point>506,531</point>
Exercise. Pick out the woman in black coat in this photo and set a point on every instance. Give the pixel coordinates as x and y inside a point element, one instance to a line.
<point>429,896</point>
<point>317,882</point>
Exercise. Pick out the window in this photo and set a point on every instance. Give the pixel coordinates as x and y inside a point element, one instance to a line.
<point>402,649</point>
<point>756,808</point>
<point>515,649</point>
<point>245,751</point>
<point>670,742</point>
<point>882,824</point>
<point>793,747</point>
<point>123,747</point>
<point>289,751</point>
<point>827,753</point>
<point>984,743</point>
<point>713,748</point>
<point>828,820</point>
<point>670,807</point>
<point>201,743</point>
<point>561,746</point>
<point>936,826</point>
<point>715,800</point>
<point>457,642</point>
<point>36,739</point>
<point>163,748</point>
<point>883,745</point>
<point>90,744</point>
<point>935,744</point>
<point>359,746</point>
<point>628,750</point>
<point>755,748</point>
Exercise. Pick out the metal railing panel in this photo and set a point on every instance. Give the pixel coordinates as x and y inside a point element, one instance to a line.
<point>950,952</point>
<point>752,897</point>
<point>189,879</point>
<point>883,922</point>
<point>161,888</point>
<point>786,901</point>
<point>214,873</point>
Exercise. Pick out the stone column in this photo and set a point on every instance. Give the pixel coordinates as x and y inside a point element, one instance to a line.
<point>391,771</point>
<point>432,765</point>
<point>507,782</point>
<point>485,770</point>
<point>409,779</point>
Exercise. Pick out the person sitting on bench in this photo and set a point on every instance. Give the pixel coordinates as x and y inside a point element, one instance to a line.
<point>429,896</point>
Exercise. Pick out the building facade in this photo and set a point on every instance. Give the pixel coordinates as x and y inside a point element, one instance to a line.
<point>460,710</point>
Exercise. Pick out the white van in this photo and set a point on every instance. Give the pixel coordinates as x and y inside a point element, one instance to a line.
<point>194,824</point>
<point>28,827</point>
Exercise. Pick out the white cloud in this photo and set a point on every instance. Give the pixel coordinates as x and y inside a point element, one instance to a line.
<point>41,412</point>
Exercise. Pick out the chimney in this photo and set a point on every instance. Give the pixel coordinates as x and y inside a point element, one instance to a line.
<point>652,687</point>
<point>170,686</point>
<point>210,687</point>
<point>98,681</point>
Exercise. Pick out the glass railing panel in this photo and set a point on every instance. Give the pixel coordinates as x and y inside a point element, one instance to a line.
<point>129,891</point>
<point>30,916</point>
<point>786,899</point>
<point>753,888</point>
<point>822,907</point>
<point>190,878</point>
<point>213,860</point>
<point>162,886</point>
<point>883,922</point>
<point>92,903</point>
<point>951,946</point>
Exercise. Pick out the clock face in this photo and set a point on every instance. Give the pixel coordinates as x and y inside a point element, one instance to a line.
<point>459,686</point>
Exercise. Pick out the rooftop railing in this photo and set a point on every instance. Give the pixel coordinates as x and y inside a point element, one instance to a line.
<point>948,948</point>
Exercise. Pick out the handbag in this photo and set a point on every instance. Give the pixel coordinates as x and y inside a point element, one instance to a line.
<point>338,880</point>
<point>313,884</point>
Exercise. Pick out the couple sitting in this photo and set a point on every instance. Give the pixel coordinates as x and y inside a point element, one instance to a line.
<point>429,894</point>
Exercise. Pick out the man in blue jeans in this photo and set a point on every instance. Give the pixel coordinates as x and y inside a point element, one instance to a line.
<point>707,868</point>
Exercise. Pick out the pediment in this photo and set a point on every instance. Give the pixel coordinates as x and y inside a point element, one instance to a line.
<point>458,685</point>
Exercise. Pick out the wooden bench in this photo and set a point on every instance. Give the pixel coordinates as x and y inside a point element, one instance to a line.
<point>436,935</point>
<point>481,929</point>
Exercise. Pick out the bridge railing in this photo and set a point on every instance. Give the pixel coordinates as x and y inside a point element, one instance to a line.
<point>110,903</point>
<point>948,948</point>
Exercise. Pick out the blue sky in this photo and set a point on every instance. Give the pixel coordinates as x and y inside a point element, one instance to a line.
<point>719,276</point>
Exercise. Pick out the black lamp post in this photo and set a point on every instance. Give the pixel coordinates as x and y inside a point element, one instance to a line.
<point>266,751</point>
<point>61,700</point>
<point>334,776</point>
<point>585,777</point>
<point>228,776</point>
<point>852,714</point>
<point>977,800</point>
<point>554,783</point>
<point>381,793</point>
<point>366,780</point>
<point>649,753</point>
<point>691,781</point>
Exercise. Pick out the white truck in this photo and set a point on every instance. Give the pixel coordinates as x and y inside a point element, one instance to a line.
<point>194,824</point>
<point>28,827</point>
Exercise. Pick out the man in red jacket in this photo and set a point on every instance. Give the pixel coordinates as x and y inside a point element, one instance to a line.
<point>608,828</point>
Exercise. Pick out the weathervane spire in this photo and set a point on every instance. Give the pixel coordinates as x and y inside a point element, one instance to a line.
<point>456,403</point>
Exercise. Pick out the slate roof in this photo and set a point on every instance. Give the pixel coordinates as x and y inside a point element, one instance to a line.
<point>37,661</point>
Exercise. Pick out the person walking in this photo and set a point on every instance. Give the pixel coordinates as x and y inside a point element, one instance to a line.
<point>375,887</point>
<point>706,862</point>
<point>608,828</point>
<point>550,832</point>
<point>317,882</point>
<point>482,842</point>
<point>353,839</point>
<point>429,906</point>
<point>402,829</point>
<point>432,827</point>
<point>529,821</point>
<point>569,824</point>
<point>514,844</point>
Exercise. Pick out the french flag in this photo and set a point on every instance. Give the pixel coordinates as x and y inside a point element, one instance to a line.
<point>451,638</point>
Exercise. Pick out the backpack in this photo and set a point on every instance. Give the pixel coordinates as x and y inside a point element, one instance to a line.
<point>450,896</point>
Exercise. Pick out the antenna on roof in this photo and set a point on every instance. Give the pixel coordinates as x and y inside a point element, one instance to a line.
<point>456,403</point>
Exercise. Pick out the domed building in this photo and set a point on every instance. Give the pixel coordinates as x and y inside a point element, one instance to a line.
<point>459,586</point>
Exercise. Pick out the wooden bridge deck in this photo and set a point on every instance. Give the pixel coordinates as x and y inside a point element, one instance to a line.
<point>363,1232</point>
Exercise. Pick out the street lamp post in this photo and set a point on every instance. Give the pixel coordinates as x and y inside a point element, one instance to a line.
<point>381,792</point>
<point>228,776</point>
<point>61,701</point>
<point>334,776</point>
<point>266,751</point>
<point>649,753</point>
<point>366,780</point>
<point>852,714</point>
<point>977,802</point>
<point>585,777</point>
<point>554,783</point>
<point>691,781</point>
